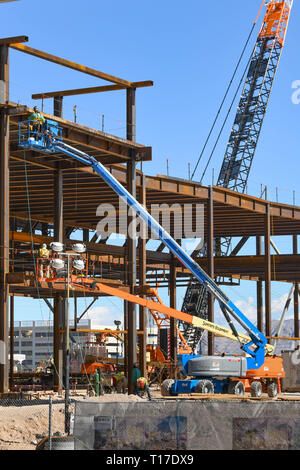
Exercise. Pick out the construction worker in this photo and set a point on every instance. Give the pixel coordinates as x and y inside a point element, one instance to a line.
<point>44,262</point>
<point>136,374</point>
<point>37,122</point>
<point>120,382</point>
<point>98,385</point>
<point>143,386</point>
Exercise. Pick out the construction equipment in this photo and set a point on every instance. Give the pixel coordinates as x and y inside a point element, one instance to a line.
<point>244,135</point>
<point>254,345</point>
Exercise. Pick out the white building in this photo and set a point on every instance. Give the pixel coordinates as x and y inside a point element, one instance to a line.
<point>34,339</point>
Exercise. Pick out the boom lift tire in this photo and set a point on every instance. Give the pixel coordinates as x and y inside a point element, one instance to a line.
<point>236,388</point>
<point>272,389</point>
<point>256,389</point>
<point>205,386</point>
<point>166,387</point>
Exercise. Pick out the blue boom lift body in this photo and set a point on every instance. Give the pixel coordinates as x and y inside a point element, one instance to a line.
<point>49,140</point>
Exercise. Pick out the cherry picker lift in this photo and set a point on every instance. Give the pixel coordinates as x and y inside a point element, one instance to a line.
<point>222,374</point>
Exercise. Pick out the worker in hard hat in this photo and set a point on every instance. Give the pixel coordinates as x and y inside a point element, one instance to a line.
<point>140,384</point>
<point>120,382</point>
<point>136,374</point>
<point>44,262</point>
<point>143,386</point>
<point>37,122</point>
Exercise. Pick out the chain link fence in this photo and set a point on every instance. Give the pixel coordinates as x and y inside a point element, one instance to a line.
<point>25,422</point>
<point>175,425</point>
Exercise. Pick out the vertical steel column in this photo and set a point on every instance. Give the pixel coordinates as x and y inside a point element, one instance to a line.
<point>12,342</point>
<point>86,235</point>
<point>268,319</point>
<point>259,290</point>
<point>58,106</point>
<point>4,218</point>
<point>296,293</point>
<point>131,114</point>
<point>173,321</point>
<point>58,300</point>
<point>58,206</point>
<point>57,355</point>
<point>210,263</point>
<point>142,283</point>
<point>131,236</point>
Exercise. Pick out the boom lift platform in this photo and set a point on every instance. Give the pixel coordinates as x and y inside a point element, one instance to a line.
<point>223,372</point>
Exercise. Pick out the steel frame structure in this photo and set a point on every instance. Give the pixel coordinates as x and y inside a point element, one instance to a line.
<point>51,187</point>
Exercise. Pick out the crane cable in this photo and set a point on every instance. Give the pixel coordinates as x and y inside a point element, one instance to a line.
<point>225,120</point>
<point>227,91</point>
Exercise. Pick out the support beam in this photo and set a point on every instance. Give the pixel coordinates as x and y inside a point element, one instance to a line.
<point>142,282</point>
<point>49,305</point>
<point>71,65</point>
<point>58,300</point>
<point>12,342</point>
<point>173,321</point>
<point>131,239</point>
<point>268,319</point>
<point>4,219</point>
<point>13,40</point>
<point>296,293</point>
<point>239,246</point>
<point>57,351</point>
<point>85,91</point>
<point>58,106</point>
<point>259,290</point>
<point>58,206</point>
<point>131,114</point>
<point>86,310</point>
<point>210,262</point>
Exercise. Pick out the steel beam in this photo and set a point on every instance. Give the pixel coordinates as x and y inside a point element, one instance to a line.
<point>259,290</point>
<point>58,206</point>
<point>131,238</point>
<point>142,282</point>
<point>85,91</point>
<point>268,319</point>
<point>71,65</point>
<point>296,293</point>
<point>58,303</point>
<point>58,300</point>
<point>12,342</point>
<point>13,40</point>
<point>131,114</point>
<point>210,261</point>
<point>58,106</point>
<point>173,321</point>
<point>4,220</point>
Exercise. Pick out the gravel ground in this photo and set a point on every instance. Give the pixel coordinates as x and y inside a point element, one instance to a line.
<point>22,427</point>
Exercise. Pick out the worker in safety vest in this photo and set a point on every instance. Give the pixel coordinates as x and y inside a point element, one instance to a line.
<point>37,123</point>
<point>143,386</point>
<point>44,262</point>
<point>120,382</point>
<point>136,374</point>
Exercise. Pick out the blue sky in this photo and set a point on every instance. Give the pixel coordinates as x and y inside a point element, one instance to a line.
<point>189,50</point>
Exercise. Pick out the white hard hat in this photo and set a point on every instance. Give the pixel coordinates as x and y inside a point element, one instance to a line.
<point>57,246</point>
<point>78,264</point>
<point>58,263</point>
<point>79,247</point>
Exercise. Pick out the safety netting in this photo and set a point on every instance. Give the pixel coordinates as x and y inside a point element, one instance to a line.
<point>187,425</point>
